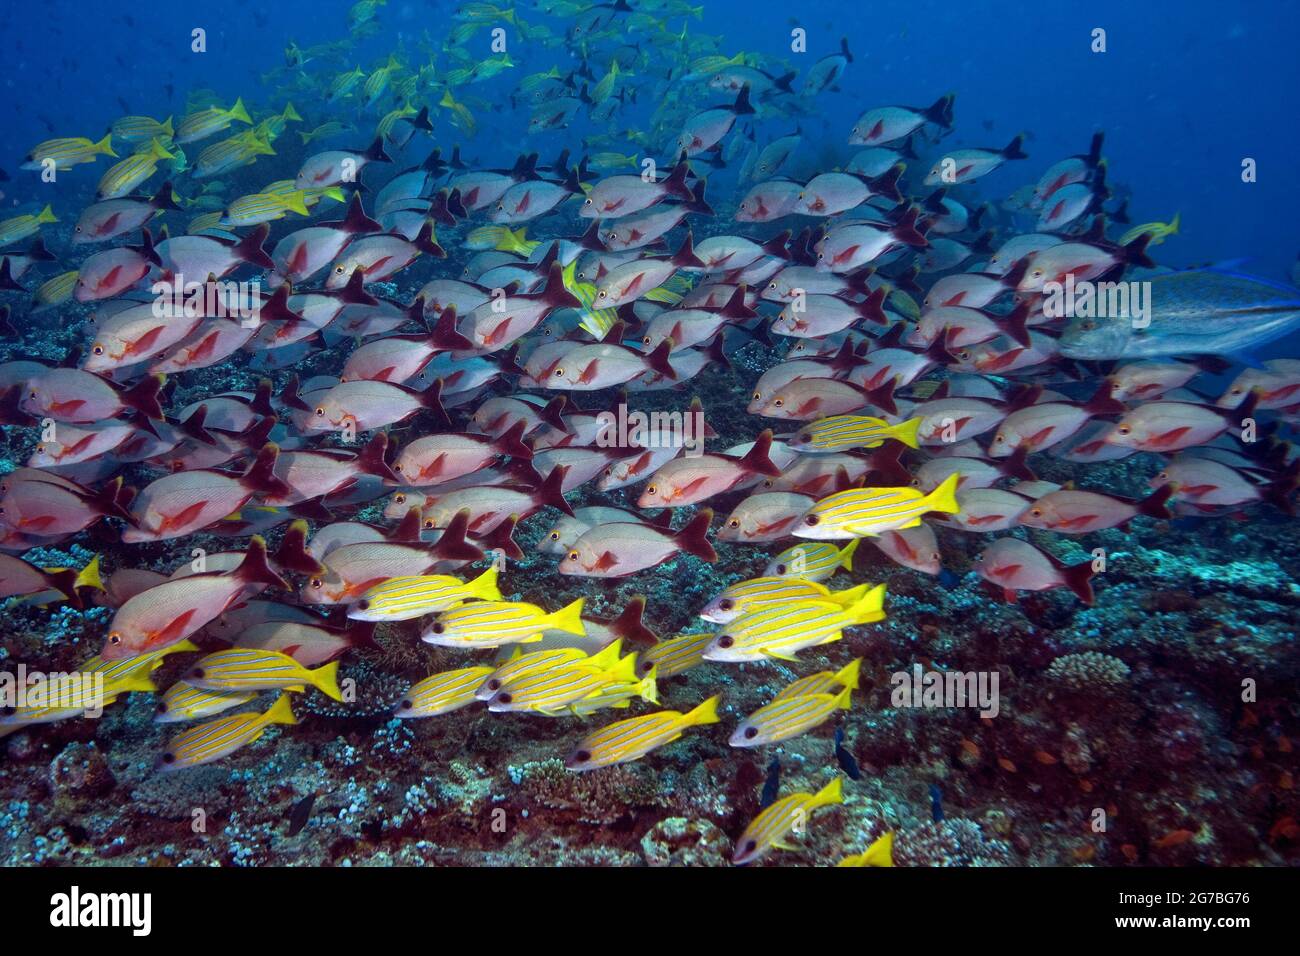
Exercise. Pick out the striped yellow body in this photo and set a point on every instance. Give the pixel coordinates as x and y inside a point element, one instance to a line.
<point>205,122</point>
<point>859,512</point>
<point>617,696</point>
<point>442,693</point>
<point>548,691</point>
<point>788,717</point>
<point>675,655</point>
<point>535,661</point>
<point>824,682</point>
<point>412,596</point>
<point>746,596</point>
<point>771,827</point>
<point>812,560</point>
<point>493,623</point>
<point>635,737</point>
<point>222,737</point>
<point>781,631</point>
<point>241,669</point>
<point>842,432</point>
<point>183,701</point>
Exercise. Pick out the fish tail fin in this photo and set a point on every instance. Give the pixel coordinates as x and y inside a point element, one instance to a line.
<point>944,498</point>
<point>290,115</point>
<point>1078,578</point>
<point>551,491</point>
<point>64,580</point>
<point>569,618</point>
<point>850,596</point>
<point>848,675</point>
<point>1156,505</point>
<point>46,215</point>
<point>249,249</point>
<point>1013,151</point>
<point>881,852</point>
<point>261,476</point>
<point>255,569</point>
<point>1135,252</point>
<point>296,201</point>
<point>89,577</point>
<point>870,608</point>
<point>843,700</point>
<point>648,688</point>
<point>326,680</point>
<point>166,128</point>
<point>757,460</point>
<point>292,554</point>
<point>940,112</point>
<point>502,539</point>
<point>452,546</point>
<point>886,184</point>
<point>105,146</point>
<point>846,555</point>
<point>238,112</point>
<point>484,587</point>
<point>830,794</point>
<point>705,713</point>
<point>629,625</point>
<point>906,432</point>
<point>1175,223</point>
<point>693,539</point>
<point>144,396</point>
<point>281,712</point>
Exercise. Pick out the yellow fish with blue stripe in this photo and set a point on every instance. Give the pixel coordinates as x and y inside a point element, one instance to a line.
<point>617,696</point>
<point>745,596</point>
<point>880,853</point>
<point>123,177</point>
<point>183,701</point>
<point>442,693</point>
<point>221,737</point>
<point>203,123</point>
<point>19,228</point>
<point>824,682</point>
<point>787,717</point>
<point>408,597</point>
<point>771,828</point>
<point>551,690</point>
<point>493,623</point>
<point>141,129</point>
<point>635,737</point>
<point>68,151</point>
<point>812,560</point>
<point>863,512</point>
<point>253,669</point>
<point>675,655</point>
<point>783,630</point>
<point>257,208</point>
<point>521,663</point>
<point>842,432</point>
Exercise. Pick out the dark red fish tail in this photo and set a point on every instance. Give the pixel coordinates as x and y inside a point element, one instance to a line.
<point>735,307</point>
<point>354,293</point>
<point>522,473</point>
<point>1135,253</point>
<point>697,203</point>
<point>590,240</point>
<point>937,352</point>
<point>260,477</point>
<point>7,280</point>
<point>440,210</point>
<point>259,434</point>
<point>551,491</point>
<point>882,397</point>
<point>290,398</point>
<point>143,396</point>
<point>511,444</point>
<point>717,352</point>
<point>1015,467</point>
<point>431,398</point>
<point>886,463</point>
<point>193,426</point>
<point>292,555</point>
<point>502,539</point>
<point>886,184</point>
<point>276,308</point>
<point>940,112</point>
<point>65,582</point>
<point>783,82</point>
<point>696,413</point>
<point>874,307</point>
<point>375,152</point>
<point>408,529</point>
<point>1016,273</point>
<point>756,460</point>
<point>694,537</point>
<point>629,625</point>
<point>1013,151</point>
<point>907,231</point>
<point>255,569</point>
<point>425,242</point>
<point>846,358</point>
<point>249,249</point>
<point>452,546</point>
<point>356,220</point>
<point>422,121</point>
<point>555,294</point>
<point>777,245</point>
<point>146,248</point>
<point>553,414</point>
<point>685,256</point>
<point>443,336</point>
<point>1281,490</point>
<point>1102,403</point>
<point>313,509</point>
<point>1078,578</point>
<point>107,501</point>
<point>1013,323</point>
<point>1093,158</point>
<point>742,106</point>
<point>658,360</point>
<point>1156,504</point>
<point>1022,397</point>
<point>372,460</point>
<point>165,197</point>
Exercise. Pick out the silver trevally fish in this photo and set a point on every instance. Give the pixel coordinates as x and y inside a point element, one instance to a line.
<point>1197,312</point>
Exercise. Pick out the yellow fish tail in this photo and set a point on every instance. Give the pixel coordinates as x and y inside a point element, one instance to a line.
<point>706,713</point>
<point>326,680</point>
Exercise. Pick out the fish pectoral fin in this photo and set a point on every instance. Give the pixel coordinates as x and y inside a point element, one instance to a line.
<point>781,655</point>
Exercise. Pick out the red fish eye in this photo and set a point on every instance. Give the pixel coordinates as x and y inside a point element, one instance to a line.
<point>115,638</point>
<point>651,490</point>
<point>778,403</point>
<point>1124,429</point>
<point>573,555</point>
<point>316,582</point>
<point>1037,512</point>
<point>320,412</point>
<point>733,523</point>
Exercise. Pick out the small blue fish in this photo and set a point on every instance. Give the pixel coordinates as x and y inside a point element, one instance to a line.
<point>772,785</point>
<point>936,803</point>
<point>848,763</point>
